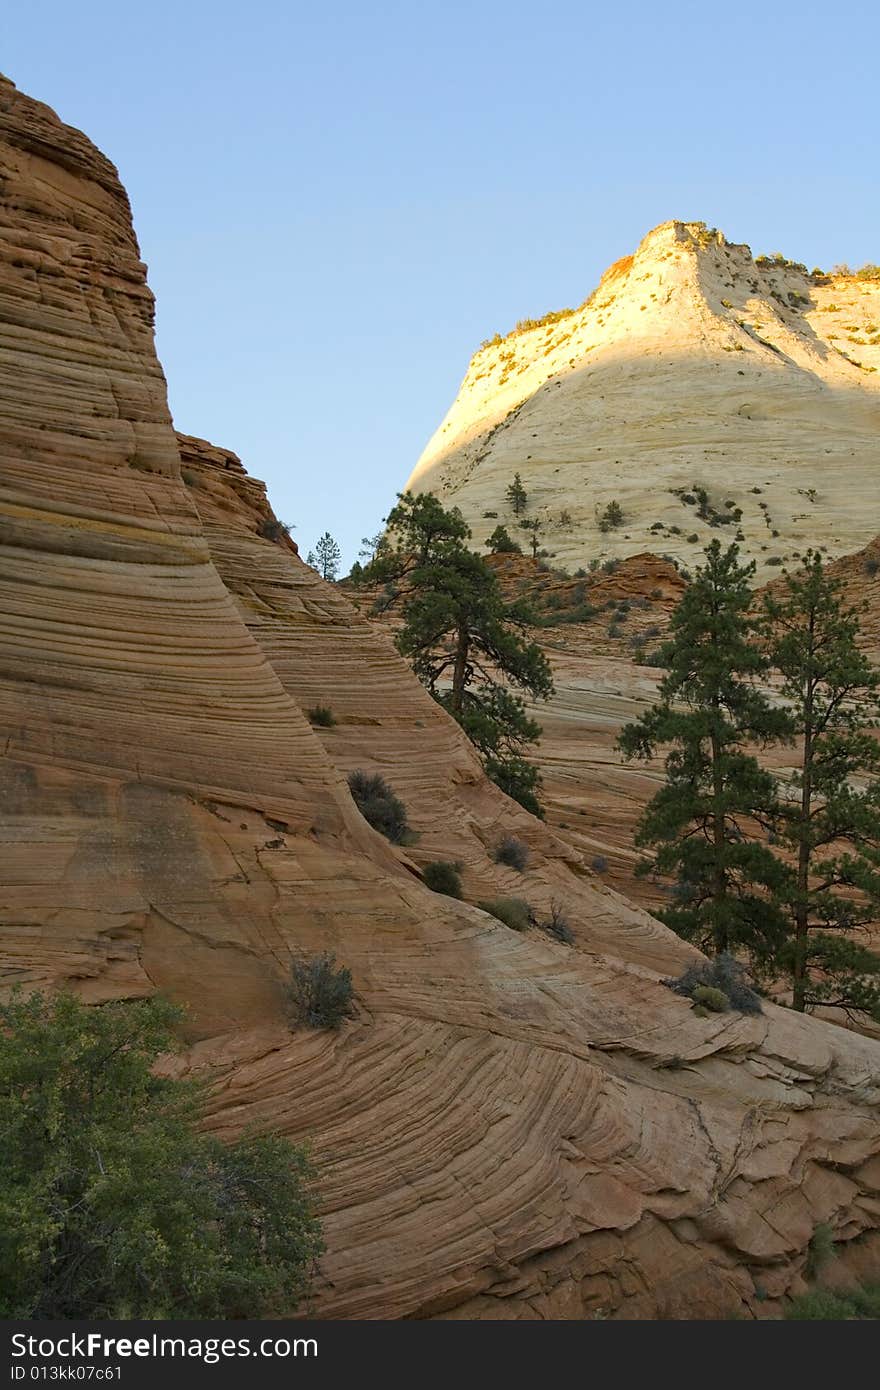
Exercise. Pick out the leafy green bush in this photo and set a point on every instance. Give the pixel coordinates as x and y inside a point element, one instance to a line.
<point>443,877</point>
<point>322,716</point>
<point>319,993</point>
<point>841,1306</point>
<point>725,974</point>
<point>513,912</point>
<point>113,1203</point>
<point>378,805</point>
<point>512,852</point>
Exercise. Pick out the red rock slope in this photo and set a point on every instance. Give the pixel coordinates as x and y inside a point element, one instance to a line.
<point>509,1127</point>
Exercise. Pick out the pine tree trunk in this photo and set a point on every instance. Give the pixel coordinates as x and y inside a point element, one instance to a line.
<point>460,670</point>
<point>719,932</point>
<point>801,916</point>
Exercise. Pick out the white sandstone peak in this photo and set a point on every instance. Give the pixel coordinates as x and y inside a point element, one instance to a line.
<point>693,365</point>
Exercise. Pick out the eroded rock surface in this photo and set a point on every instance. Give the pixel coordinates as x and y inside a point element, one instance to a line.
<point>509,1127</point>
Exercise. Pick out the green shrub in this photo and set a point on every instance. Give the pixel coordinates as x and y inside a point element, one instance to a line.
<point>378,805</point>
<point>190,478</point>
<point>513,912</point>
<point>818,1305</point>
<point>443,877</point>
<point>512,852</point>
<point>322,716</point>
<point>715,1000</point>
<point>821,1249</point>
<point>611,517</point>
<point>724,974</point>
<point>272,530</point>
<point>319,993</point>
<point>821,1305</point>
<point>114,1203</point>
<point>599,863</point>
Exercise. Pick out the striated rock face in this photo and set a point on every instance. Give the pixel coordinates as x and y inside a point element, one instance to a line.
<point>690,364</point>
<point>509,1127</point>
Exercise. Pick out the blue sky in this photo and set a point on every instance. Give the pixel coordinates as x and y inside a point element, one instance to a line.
<point>338,201</point>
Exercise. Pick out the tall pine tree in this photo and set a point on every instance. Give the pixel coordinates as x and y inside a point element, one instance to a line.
<point>830,824</point>
<point>328,555</point>
<point>466,644</point>
<point>517,495</point>
<point>705,824</point>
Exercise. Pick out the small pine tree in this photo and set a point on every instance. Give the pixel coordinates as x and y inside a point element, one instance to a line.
<point>328,557</point>
<point>704,823</point>
<point>831,824</point>
<point>312,560</point>
<point>502,543</point>
<point>517,495</point>
<point>611,517</point>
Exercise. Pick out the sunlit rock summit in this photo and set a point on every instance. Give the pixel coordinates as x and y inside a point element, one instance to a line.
<point>705,391</point>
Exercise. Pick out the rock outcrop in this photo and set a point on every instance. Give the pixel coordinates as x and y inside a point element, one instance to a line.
<point>509,1127</point>
<point>692,366</point>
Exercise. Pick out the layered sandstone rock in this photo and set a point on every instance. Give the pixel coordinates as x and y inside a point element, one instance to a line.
<point>509,1127</point>
<point>691,365</point>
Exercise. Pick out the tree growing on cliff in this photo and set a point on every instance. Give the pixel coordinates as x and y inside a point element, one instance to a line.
<point>502,543</point>
<point>466,644</point>
<point>327,557</point>
<point>517,495</point>
<point>113,1204</point>
<point>830,823</point>
<point>706,825</point>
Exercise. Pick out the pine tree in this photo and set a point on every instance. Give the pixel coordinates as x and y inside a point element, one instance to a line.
<point>517,495</point>
<point>502,543</point>
<point>465,643</point>
<point>705,822</point>
<point>328,556</point>
<point>831,823</point>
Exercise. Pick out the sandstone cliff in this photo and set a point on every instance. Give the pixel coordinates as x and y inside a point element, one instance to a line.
<point>509,1127</point>
<point>691,365</point>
